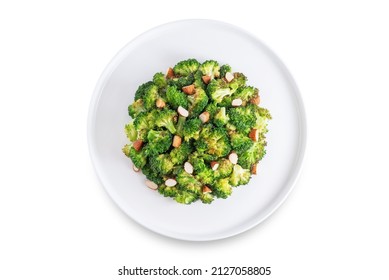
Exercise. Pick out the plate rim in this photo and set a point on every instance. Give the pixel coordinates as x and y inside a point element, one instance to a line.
<point>302,122</point>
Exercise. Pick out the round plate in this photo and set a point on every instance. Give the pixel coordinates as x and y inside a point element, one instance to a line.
<point>155,51</point>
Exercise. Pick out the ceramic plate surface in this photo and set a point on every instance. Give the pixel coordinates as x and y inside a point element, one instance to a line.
<point>156,50</point>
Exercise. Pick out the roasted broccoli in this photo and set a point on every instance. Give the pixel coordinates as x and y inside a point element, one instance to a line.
<point>203,152</point>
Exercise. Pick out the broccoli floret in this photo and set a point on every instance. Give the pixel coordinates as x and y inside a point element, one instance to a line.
<point>166,119</point>
<point>188,182</point>
<point>143,121</point>
<point>159,142</point>
<point>245,93</point>
<point>161,164</point>
<point>212,109</point>
<point>186,67</point>
<point>202,170</point>
<point>222,188</point>
<point>138,158</point>
<point>131,132</point>
<point>180,125</point>
<point>136,108</point>
<point>176,97</point>
<point>252,155</point>
<point>238,81</point>
<point>191,129</point>
<point>239,176</point>
<point>225,168</point>
<point>152,175</point>
<point>198,80</point>
<point>221,118</point>
<point>180,154</point>
<point>150,97</point>
<point>210,68</point>
<point>224,69</point>
<point>141,90</point>
<point>242,118</point>
<point>159,80</point>
<point>262,116</point>
<point>240,142</point>
<point>218,89</point>
<point>216,143</point>
<point>197,102</point>
<point>206,198</point>
<point>168,191</point>
<point>182,81</point>
<point>185,197</point>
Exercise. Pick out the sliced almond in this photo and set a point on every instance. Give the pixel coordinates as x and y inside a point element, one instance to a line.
<point>236,102</point>
<point>170,182</point>
<point>206,79</point>
<point>206,189</point>
<point>176,141</point>
<point>182,111</point>
<point>233,157</point>
<point>188,167</point>
<point>214,165</point>
<point>136,169</point>
<point>169,73</point>
<point>204,117</point>
<point>151,185</point>
<point>254,169</point>
<point>137,144</point>
<point>229,76</point>
<point>254,134</point>
<point>188,89</point>
<point>160,103</point>
<point>255,100</point>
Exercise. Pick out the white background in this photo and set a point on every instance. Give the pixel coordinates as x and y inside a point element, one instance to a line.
<point>57,221</point>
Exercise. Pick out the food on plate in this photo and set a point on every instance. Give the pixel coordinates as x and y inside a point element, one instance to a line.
<point>197,132</point>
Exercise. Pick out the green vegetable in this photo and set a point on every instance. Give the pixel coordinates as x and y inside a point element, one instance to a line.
<point>198,163</point>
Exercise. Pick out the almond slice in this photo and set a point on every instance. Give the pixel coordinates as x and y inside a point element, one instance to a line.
<point>137,144</point>
<point>236,102</point>
<point>254,169</point>
<point>214,165</point>
<point>233,157</point>
<point>206,79</point>
<point>169,73</point>
<point>204,117</point>
<point>151,185</point>
<point>254,134</point>
<point>136,169</point>
<point>182,111</point>
<point>188,167</point>
<point>176,141</point>
<point>206,189</point>
<point>229,76</point>
<point>160,103</point>
<point>188,89</point>
<point>170,182</point>
<point>255,100</point>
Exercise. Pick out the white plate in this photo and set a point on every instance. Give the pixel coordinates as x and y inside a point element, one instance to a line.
<point>156,50</point>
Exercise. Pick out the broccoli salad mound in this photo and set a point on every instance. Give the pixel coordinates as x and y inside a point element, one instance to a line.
<point>197,131</point>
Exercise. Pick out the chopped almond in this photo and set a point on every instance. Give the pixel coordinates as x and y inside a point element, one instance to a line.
<point>206,79</point>
<point>137,144</point>
<point>136,169</point>
<point>204,117</point>
<point>214,165</point>
<point>236,102</point>
<point>255,100</point>
<point>170,182</point>
<point>206,189</point>
<point>176,141</point>
<point>151,185</point>
<point>182,111</point>
<point>160,103</point>
<point>188,167</point>
<point>229,76</point>
<point>254,134</point>
<point>188,89</point>
<point>233,157</point>
<point>254,169</point>
<point>169,73</point>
